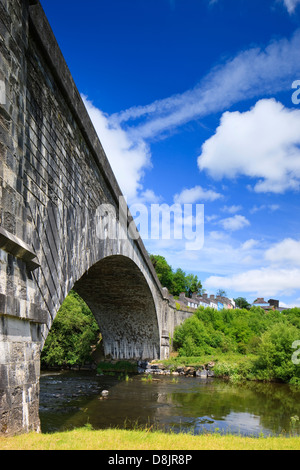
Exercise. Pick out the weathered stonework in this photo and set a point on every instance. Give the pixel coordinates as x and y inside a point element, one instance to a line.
<point>54,175</point>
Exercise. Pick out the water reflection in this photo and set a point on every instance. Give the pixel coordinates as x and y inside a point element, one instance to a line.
<point>194,405</point>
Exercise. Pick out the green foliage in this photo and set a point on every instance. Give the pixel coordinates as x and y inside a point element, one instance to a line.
<point>241,302</point>
<point>275,353</point>
<point>179,283</point>
<point>267,335</point>
<point>73,334</point>
<point>293,316</point>
<point>163,270</point>
<point>176,282</point>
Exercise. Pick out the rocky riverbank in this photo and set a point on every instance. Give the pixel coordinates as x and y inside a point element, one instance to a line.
<point>144,367</point>
<point>154,368</point>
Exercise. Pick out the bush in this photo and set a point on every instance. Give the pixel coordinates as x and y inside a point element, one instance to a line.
<point>275,354</point>
<point>269,335</point>
<point>192,338</point>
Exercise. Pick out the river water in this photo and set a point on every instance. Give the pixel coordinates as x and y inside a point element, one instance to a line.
<point>181,404</point>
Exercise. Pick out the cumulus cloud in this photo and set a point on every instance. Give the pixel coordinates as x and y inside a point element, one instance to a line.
<point>262,143</point>
<point>286,252</point>
<point>268,281</point>
<point>128,158</point>
<point>234,223</point>
<point>280,275</point>
<point>196,194</point>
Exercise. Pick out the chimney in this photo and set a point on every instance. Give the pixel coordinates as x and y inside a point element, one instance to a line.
<point>274,303</point>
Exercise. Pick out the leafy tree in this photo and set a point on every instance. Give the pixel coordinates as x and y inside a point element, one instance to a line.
<point>241,302</point>
<point>193,285</point>
<point>163,270</point>
<point>177,281</point>
<point>73,334</point>
<point>293,316</point>
<point>221,293</point>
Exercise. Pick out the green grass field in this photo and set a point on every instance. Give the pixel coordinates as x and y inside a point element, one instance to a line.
<point>112,439</point>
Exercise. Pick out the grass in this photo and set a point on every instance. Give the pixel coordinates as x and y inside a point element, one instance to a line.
<point>114,439</point>
<point>197,361</point>
<point>117,366</point>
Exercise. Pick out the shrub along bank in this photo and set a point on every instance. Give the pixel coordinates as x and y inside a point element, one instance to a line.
<point>242,344</point>
<point>245,344</point>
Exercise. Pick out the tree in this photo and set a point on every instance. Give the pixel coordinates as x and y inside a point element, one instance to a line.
<point>163,270</point>
<point>73,334</point>
<point>179,282</point>
<point>193,285</point>
<point>241,302</point>
<point>221,293</point>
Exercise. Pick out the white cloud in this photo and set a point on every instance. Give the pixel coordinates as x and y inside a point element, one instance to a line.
<point>215,235</point>
<point>236,222</point>
<point>262,282</point>
<point>286,252</point>
<point>128,158</point>
<point>211,218</point>
<point>249,244</point>
<point>149,196</point>
<point>251,73</point>
<point>231,209</point>
<point>279,277</point>
<point>262,143</point>
<point>270,207</point>
<point>291,5</point>
<point>196,194</point>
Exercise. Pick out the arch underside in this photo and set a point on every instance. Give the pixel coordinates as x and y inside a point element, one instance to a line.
<point>118,294</point>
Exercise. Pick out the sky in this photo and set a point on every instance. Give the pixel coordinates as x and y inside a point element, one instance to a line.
<point>197,102</point>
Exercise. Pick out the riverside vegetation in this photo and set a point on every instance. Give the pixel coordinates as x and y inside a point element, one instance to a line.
<point>243,344</point>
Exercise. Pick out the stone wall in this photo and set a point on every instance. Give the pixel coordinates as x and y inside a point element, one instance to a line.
<point>21,319</point>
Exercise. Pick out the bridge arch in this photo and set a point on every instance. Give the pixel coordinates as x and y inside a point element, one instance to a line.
<point>118,294</point>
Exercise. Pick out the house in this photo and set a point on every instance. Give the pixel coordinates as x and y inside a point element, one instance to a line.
<point>271,304</point>
<point>218,303</point>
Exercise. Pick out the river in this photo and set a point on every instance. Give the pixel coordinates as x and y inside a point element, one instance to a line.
<point>182,404</point>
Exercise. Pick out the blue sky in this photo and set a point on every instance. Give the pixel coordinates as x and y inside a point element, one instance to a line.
<point>193,101</point>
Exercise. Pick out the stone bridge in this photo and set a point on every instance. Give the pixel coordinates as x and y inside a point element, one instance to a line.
<point>59,205</point>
